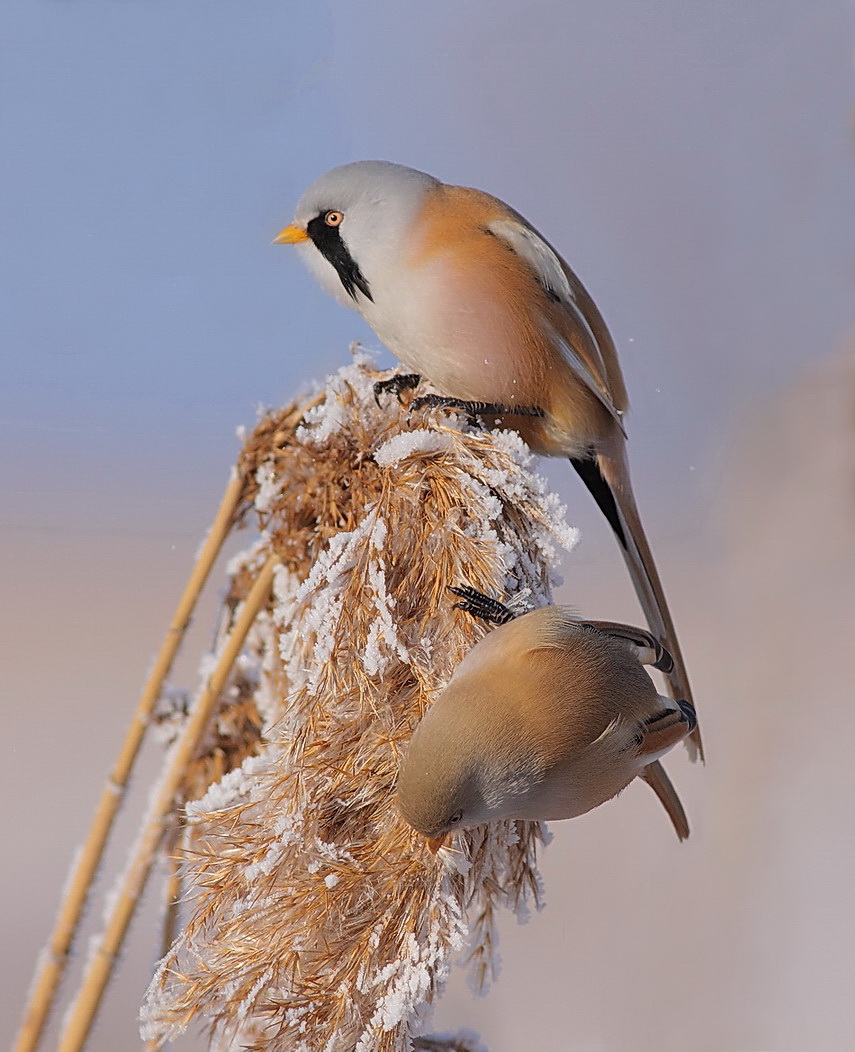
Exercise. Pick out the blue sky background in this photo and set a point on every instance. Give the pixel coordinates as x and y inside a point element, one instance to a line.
<point>692,161</point>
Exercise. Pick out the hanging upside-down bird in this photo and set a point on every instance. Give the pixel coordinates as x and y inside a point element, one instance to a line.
<point>466,293</point>
<point>547,717</point>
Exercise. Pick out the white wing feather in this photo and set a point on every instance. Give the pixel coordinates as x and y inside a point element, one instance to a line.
<point>552,275</point>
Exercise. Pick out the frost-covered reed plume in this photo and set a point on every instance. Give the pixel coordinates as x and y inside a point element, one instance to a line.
<point>317,919</point>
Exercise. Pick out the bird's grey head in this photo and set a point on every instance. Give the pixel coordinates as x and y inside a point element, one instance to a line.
<point>357,218</point>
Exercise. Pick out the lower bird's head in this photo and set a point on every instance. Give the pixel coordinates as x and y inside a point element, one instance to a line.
<point>456,776</point>
<point>436,803</point>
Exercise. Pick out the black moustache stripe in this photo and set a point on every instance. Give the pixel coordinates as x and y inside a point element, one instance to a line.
<point>328,241</point>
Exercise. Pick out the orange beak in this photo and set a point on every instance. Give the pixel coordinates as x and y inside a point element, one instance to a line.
<point>436,842</point>
<point>291,235</point>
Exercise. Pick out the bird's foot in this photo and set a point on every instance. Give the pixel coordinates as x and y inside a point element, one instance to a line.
<point>479,605</point>
<point>473,410</point>
<point>396,384</point>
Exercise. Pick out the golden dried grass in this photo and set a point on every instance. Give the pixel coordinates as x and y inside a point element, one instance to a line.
<point>318,920</point>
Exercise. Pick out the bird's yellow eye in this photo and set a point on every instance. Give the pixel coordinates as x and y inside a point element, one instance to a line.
<point>455,818</point>
<point>333,218</point>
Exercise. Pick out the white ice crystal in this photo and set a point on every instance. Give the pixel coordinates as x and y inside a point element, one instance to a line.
<point>410,444</point>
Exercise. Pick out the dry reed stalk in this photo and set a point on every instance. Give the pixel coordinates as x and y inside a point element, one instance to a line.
<point>102,956</point>
<point>55,955</point>
<point>319,922</point>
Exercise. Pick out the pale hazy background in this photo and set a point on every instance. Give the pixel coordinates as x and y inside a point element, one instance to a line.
<point>694,162</point>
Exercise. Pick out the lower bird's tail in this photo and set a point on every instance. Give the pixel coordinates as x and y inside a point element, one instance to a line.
<point>655,776</point>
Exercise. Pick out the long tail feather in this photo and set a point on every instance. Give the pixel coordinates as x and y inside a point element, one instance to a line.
<point>607,478</point>
<point>655,776</point>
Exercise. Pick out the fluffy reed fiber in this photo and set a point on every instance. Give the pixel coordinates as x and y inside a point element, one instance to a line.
<point>318,921</point>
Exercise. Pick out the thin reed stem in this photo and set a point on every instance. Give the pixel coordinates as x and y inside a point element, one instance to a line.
<point>82,1012</point>
<point>55,955</point>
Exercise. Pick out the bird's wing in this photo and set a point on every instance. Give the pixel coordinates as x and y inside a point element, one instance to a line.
<point>647,647</point>
<point>579,333</point>
<point>538,253</point>
<point>550,625</point>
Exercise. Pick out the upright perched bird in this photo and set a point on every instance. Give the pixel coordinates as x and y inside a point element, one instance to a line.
<point>465,292</point>
<point>545,718</point>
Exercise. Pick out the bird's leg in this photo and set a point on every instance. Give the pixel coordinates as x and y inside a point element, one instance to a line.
<point>646,646</point>
<point>666,728</point>
<point>479,605</point>
<point>396,384</point>
<point>473,409</point>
